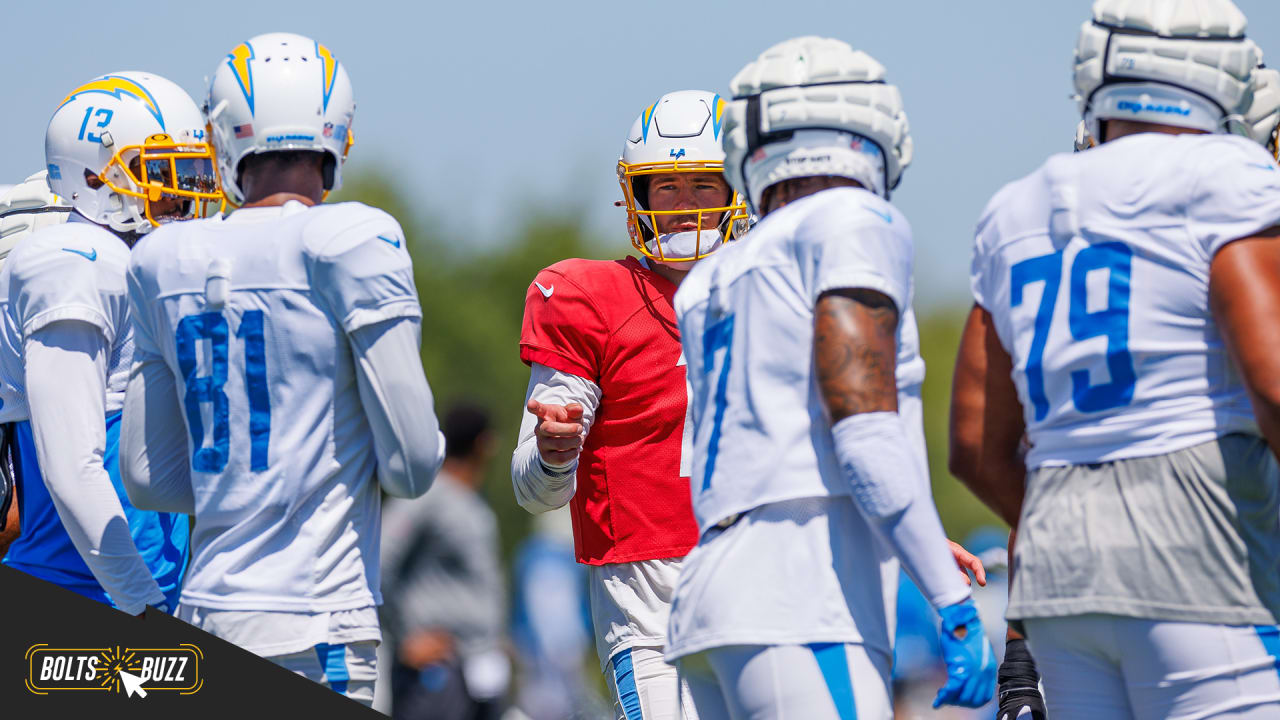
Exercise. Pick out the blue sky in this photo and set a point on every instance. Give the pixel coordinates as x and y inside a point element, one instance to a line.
<point>485,110</point>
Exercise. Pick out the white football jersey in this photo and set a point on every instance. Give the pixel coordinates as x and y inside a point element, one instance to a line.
<point>1095,269</point>
<point>761,431</point>
<point>72,271</point>
<point>251,313</point>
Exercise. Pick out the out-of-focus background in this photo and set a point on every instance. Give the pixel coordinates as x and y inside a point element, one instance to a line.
<point>491,130</point>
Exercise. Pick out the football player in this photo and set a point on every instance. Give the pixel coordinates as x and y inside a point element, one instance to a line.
<point>1125,320</point>
<point>24,208</point>
<point>276,380</point>
<point>607,399</point>
<point>66,341</point>
<point>809,469</point>
<point>1019,678</point>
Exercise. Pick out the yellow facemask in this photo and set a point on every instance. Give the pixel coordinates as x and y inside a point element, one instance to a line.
<point>161,166</point>
<point>732,217</point>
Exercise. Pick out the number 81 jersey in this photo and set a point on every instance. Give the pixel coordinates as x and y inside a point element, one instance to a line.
<point>1095,270</point>
<point>251,314</point>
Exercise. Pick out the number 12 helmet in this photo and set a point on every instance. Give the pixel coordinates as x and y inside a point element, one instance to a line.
<point>119,143</point>
<point>680,133</point>
<point>279,92</point>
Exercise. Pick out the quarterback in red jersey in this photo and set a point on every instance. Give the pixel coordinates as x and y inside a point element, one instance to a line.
<point>607,398</point>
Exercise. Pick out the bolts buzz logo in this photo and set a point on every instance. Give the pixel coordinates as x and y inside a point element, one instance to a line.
<point>115,670</point>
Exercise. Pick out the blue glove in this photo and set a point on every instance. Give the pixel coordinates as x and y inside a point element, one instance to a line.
<point>971,664</point>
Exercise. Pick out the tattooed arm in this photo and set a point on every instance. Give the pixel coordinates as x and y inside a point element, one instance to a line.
<point>855,352</point>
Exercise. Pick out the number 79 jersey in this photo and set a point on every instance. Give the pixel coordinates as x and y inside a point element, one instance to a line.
<point>1095,270</point>
<point>251,314</point>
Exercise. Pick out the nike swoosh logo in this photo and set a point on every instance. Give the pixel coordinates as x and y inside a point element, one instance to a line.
<point>887,217</point>
<point>546,292</point>
<point>393,243</point>
<point>1271,168</point>
<point>90,256</point>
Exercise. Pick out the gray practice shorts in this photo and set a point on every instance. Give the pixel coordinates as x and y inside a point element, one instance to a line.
<point>1192,536</point>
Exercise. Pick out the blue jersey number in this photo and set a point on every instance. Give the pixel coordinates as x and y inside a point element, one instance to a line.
<point>717,337</point>
<point>209,389</point>
<point>1111,322</point>
<point>102,115</point>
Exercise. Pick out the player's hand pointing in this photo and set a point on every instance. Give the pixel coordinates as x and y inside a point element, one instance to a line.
<point>559,432</point>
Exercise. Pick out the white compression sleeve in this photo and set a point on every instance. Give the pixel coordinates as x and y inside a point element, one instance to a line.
<point>66,374</point>
<point>540,488</point>
<point>155,462</point>
<point>889,485</point>
<point>398,403</point>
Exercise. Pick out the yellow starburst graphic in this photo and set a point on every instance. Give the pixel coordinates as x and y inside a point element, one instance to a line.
<point>113,661</point>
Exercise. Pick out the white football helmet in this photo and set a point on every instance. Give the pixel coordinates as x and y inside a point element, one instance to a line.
<point>680,133</point>
<point>27,207</point>
<point>122,141</point>
<point>1184,63</point>
<point>1263,117</point>
<point>279,91</point>
<point>814,106</point>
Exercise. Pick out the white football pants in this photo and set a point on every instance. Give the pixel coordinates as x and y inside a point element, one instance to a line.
<point>821,681</point>
<point>1107,667</point>
<point>350,669</point>
<point>645,687</point>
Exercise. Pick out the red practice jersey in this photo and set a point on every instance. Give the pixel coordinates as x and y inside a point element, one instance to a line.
<point>611,322</point>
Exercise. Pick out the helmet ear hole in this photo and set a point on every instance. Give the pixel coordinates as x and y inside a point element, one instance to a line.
<point>328,169</point>
<point>240,168</point>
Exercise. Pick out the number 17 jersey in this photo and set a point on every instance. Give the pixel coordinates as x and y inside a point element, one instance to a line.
<point>251,313</point>
<point>762,433</point>
<point>1095,270</point>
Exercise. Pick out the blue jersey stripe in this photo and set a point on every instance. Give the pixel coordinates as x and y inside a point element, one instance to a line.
<point>333,658</point>
<point>624,680</point>
<point>834,665</point>
<point>1270,637</point>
